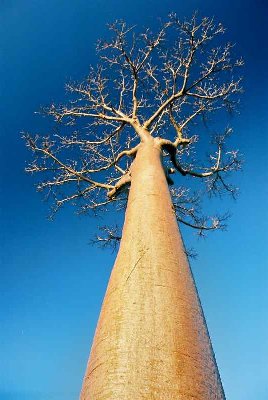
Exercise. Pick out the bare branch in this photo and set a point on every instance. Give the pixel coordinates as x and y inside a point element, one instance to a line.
<point>78,174</point>
<point>123,182</point>
<point>109,237</point>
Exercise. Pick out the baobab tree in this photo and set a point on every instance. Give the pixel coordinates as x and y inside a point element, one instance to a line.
<point>131,124</point>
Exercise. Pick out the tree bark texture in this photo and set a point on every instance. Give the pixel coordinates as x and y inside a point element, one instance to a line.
<point>151,341</point>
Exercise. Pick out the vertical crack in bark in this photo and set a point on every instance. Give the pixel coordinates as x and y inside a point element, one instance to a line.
<point>135,265</point>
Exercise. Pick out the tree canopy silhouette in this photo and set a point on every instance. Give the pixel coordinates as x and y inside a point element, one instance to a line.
<point>147,86</point>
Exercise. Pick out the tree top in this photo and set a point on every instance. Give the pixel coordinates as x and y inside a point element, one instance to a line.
<point>147,86</point>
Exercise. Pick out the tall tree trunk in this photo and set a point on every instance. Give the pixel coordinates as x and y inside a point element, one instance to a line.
<point>151,340</point>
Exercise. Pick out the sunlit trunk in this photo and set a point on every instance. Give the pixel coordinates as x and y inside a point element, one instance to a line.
<point>151,340</point>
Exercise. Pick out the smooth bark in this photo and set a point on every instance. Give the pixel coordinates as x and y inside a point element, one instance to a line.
<point>151,340</point>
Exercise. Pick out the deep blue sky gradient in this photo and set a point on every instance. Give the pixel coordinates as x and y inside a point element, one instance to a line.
<point>52,282</point>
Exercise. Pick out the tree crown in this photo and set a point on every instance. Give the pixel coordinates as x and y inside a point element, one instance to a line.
<point>147,86</point>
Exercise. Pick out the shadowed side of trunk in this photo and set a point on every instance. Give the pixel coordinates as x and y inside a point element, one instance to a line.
<point>151,340</point>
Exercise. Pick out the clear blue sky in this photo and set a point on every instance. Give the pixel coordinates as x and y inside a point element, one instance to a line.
<point>52,282</point>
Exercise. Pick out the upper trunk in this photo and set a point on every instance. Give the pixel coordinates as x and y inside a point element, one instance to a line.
<point>151,341</point>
